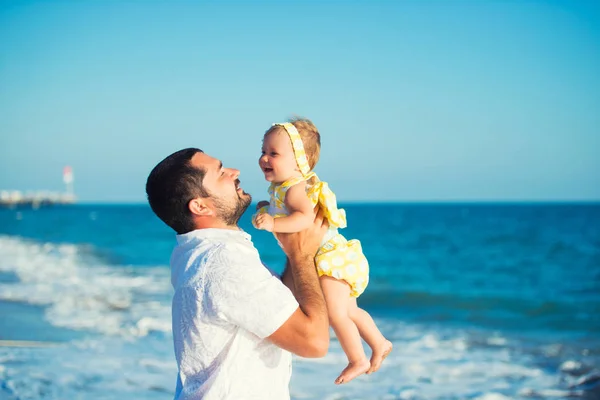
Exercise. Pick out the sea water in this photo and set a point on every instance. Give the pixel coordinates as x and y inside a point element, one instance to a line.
<point>481,301</point>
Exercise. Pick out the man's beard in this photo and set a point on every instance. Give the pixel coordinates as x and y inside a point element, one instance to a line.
<point>231,212</point>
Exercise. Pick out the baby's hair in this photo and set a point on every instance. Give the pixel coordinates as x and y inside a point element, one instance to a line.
<point>311,139</point>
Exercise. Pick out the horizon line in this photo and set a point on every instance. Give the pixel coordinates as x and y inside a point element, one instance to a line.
<point>422,201</point>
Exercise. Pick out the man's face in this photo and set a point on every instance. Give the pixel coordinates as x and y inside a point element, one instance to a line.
<point>223,186</point>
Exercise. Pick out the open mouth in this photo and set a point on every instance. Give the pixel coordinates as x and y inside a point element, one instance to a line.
<point>266,170</point>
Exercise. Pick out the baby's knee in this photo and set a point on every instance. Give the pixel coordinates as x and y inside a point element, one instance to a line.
<point>337,317</point>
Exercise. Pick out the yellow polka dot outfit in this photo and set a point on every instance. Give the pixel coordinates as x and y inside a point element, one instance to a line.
<point>337,257</point>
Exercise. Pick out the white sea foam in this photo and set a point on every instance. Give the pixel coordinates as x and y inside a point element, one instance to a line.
<point>492,396</point>
<point>80,292</point>
<point>571,366</point>
<point>435,364</point>
<point>108,368</point>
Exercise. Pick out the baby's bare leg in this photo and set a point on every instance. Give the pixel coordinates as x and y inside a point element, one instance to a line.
<point>337,297</point>
<point>379,345</point>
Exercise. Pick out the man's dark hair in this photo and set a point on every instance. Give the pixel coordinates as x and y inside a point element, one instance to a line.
<point>170,187</point>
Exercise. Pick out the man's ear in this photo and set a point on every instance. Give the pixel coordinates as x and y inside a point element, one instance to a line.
<point>199,207</point>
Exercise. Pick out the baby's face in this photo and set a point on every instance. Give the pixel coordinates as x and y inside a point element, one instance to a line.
<point>277,161</point>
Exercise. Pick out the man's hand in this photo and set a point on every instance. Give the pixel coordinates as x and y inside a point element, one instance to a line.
<point>264,222</point>
<point>306,242</point>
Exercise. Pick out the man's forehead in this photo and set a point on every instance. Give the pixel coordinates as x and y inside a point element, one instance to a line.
<point>204,161</point>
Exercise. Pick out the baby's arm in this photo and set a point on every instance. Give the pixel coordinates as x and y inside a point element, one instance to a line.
<point>301,211</point>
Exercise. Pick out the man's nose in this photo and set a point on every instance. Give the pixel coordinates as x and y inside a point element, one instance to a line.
<point>234,172</point>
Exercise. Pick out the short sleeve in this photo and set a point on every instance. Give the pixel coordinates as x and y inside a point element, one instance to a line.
<point>245,293</point>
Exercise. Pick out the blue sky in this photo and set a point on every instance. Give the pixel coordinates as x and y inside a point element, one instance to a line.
<point>415,100</point>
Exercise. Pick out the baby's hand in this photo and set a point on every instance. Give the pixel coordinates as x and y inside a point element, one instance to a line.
<point>261,204</point>
<point>265,222</point>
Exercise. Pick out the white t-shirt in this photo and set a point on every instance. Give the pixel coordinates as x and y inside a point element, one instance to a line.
<point>225,304</point>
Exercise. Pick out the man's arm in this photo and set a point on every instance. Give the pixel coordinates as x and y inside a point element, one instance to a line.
<point>287,278</point>
<point>306,332</point>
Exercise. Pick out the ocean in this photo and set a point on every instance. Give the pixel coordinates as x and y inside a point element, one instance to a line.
<point>482,301</point>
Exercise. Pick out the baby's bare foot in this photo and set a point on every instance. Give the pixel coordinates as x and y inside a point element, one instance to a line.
<point>353,370</point>
<point>379,354</point>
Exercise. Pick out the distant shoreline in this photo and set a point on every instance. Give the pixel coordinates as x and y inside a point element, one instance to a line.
<point>374,202</point>
<point>423,203</point>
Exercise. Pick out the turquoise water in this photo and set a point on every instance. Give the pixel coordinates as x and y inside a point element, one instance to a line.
<point>482,301</point>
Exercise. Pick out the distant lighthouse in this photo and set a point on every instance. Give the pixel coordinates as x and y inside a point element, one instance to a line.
<point>35,200</point>
<point>68,180</point>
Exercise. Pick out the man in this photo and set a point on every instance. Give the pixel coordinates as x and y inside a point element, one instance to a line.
<point>234,323</point>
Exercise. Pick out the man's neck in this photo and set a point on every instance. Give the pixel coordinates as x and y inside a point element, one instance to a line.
<point>206,223</point>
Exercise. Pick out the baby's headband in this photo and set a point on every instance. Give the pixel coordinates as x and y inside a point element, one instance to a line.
<point>298,146</point>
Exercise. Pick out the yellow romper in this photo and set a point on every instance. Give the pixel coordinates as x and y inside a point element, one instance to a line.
<point>337,257</point>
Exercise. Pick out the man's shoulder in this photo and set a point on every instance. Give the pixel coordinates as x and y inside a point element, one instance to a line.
<point>235,252</point>
<point>209,247</point>
<point>217,257</point>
